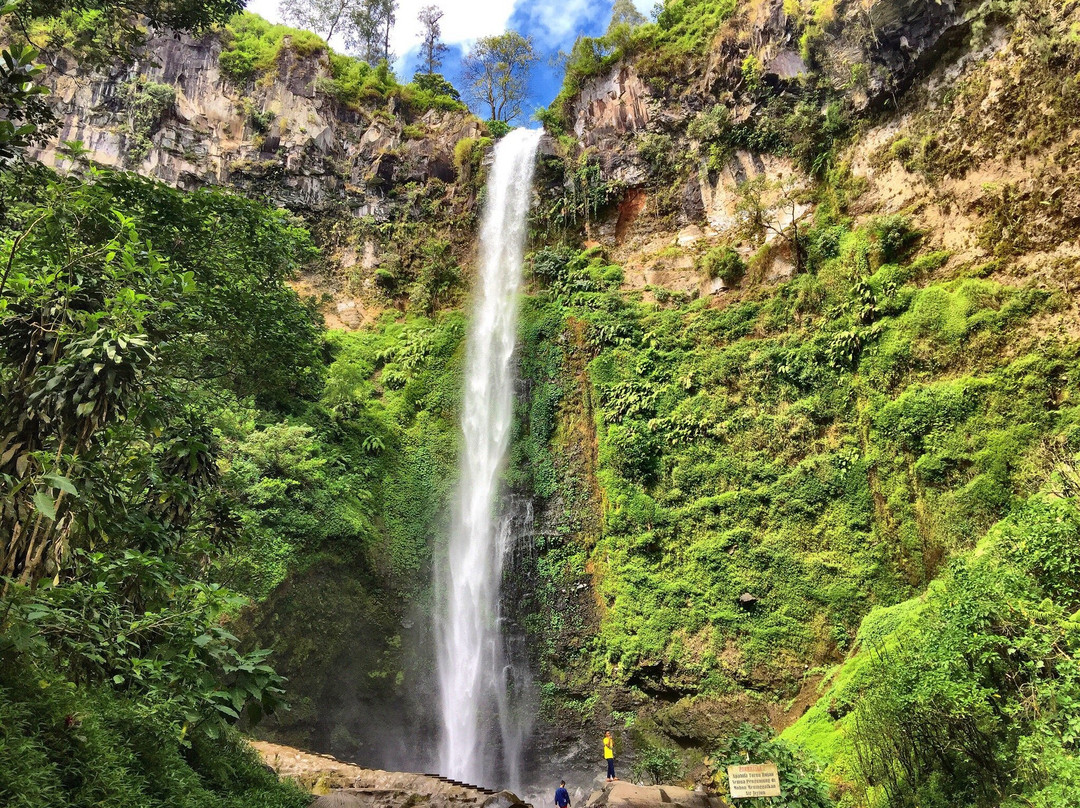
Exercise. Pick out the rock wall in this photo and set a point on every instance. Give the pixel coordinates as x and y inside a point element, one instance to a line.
<point>868,54</point>
<point>283,136</point>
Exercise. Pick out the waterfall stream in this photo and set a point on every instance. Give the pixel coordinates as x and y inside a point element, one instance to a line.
<point>482,735</point>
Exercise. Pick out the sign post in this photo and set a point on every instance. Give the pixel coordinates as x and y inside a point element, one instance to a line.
<point>753,780</point>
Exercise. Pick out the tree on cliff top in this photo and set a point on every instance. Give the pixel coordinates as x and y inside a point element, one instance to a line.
<point>323,17</point>
<point>364,25</point>
<point>432,49</point>
<point>624,13</point>
<point>373,20</point>
<point>496,73</point>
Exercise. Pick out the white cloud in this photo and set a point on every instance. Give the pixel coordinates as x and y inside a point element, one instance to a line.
<point>559,21</point>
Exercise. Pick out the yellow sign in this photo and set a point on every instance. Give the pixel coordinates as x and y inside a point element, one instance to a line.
<point>754,780</point>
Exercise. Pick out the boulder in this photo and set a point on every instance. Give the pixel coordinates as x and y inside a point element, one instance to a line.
<point>626,795</point>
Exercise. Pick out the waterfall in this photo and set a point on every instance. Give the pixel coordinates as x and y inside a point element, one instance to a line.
<point>481,735</point>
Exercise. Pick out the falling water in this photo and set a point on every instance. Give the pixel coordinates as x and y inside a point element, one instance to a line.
<point>481,736</point>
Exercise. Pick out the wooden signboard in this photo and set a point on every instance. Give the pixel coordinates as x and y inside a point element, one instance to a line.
<point>753,780</point>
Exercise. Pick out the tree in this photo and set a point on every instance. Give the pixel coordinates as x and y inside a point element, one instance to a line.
<point>772,209</point>
<point>624,13</point>
<point>432,48</point>
<point>436,84</point>
<point>496,73</point>
<point>112,29</point>
<point>324,17</point>
<point>373,20</point>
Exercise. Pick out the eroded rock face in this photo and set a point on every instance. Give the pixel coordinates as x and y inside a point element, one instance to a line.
<point>611,106</point>
<point>882,47</point>
<point>283,136</point>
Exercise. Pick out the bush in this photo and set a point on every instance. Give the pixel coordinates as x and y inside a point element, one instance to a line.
<point>657,764</point>
<point>724,263</point>
<point>801,785</point>
<point>497,128</point>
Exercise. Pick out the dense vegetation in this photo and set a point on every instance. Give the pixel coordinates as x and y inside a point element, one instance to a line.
<point>253,48</point>
<point>118,364</point>
<point>855,488</point>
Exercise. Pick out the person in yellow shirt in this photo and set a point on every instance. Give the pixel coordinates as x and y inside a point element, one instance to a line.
<point>609,755</point>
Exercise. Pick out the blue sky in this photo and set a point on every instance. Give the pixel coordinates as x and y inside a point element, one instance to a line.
<point>553,25</point>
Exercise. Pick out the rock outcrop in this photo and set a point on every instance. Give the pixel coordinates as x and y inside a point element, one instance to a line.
<point>179,119</point>
<point>867,53</point>
<point>344,785</point>
<point>627,795</point>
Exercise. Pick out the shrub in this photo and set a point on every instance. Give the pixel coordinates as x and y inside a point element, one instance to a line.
<point>657,764</point>
<point>894,235</point>
<point>497,128</point>
<point>725,263</point>
<point>801,785</point>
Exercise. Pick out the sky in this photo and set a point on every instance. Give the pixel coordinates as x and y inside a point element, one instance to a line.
<point>553,25</point>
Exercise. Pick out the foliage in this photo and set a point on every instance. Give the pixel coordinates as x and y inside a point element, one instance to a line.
<point>830,443</point>
<point>497,128</point>
<point>146,103</point>
<point>657,764</point>
<point>119,679</point>
<point>585,194</point>
<point>971,696</point>
<point>801,785</point>
<point>436,85</point>
<point>252,47</point>
<point>100,32</point>
<point>25,116</point>
<point>725,263</point>
<point>138,622</point>
<point>73,745</point>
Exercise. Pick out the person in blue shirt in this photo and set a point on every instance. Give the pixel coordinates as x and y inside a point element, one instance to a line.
<point>562,796</point>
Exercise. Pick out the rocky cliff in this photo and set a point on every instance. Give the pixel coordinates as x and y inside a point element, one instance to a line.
<point>719,175</point>
<point>676,153</point>
<point>283,135</point>
<point>354,167</point>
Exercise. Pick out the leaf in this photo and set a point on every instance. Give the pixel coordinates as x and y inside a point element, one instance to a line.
<point>118,679</point>
<point>63,483</point>
<point>45,505</point>
<point>226,710</point>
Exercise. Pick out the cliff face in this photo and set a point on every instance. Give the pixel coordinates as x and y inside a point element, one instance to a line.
<point>886,69</point>
<point>868,54</point>
<point>363,170</point>
<point>284,135</point>
<point>957,122</point>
